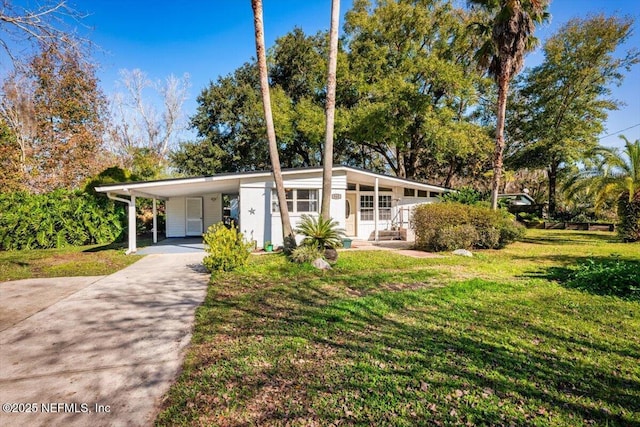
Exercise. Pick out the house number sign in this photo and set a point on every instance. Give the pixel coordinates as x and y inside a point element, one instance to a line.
<point>336,196</point>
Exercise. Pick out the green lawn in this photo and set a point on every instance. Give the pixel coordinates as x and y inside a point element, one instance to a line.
<point>96,260</point>
<point>390,340</point>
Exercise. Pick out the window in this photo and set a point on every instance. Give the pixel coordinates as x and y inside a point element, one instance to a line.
<point>422,193</point>
<point>384,207</point>
<point>306,200</point>
<point>409,192</point>
<point>302,200</point>
<point>366,207</point>
<point>434,194</point>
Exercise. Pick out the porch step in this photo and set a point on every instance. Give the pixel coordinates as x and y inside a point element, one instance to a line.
<point>400,234</point>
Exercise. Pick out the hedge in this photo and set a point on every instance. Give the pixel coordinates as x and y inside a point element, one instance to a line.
<point>57,219</point>
<point>450,226</point>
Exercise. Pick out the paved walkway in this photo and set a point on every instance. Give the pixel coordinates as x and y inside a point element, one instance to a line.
<point>106,354</point>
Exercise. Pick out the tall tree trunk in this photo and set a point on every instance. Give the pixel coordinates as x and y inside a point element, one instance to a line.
<point>327,161</point>
<point>503,88</point>
<point>553,179</point>
<point>287,231</point>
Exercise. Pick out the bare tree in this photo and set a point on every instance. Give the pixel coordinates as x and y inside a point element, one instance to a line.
<point>49,23</point>
<point>330,110</point>
<point>17,110</point>
<point>287,230</point>
<point>136,123</point>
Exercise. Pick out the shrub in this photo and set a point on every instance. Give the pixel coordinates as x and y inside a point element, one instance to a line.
<point>57,219</point>
<point>319,232</point>
<point>226,248</point>
<point>438,227</point>
<point>454,237</point>
<point>629,213</point>
<point>465,195</point>
<point>510,231</point>
<point>611,277</point>
<point>306,253</point>
<point>488,238</point>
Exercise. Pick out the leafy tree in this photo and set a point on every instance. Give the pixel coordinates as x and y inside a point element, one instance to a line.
<point>438,87</point>
<point>231,127</point>
<point>198,158</point>
<point>560,106</point>
<point>55,109</point>
<point>287,231</point>
<point>412,67</point>
<point>510,37</point>
<point>230,122</point>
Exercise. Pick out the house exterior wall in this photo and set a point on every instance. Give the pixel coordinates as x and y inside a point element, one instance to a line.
<point>212,209</point>
<point>176,217</point>
<point>177,213</point>
<point>257,221</point>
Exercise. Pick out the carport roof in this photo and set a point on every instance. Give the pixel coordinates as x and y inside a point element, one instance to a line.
<point>230,183</point>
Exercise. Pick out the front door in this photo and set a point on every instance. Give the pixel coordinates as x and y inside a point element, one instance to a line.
<point>350,214</point>
<point>194,216</point>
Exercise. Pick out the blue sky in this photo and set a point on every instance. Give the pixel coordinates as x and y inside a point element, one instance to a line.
<point>211,38</point>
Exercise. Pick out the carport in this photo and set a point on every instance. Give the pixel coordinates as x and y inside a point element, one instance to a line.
<point>175,245</point>
<point>167,189</point>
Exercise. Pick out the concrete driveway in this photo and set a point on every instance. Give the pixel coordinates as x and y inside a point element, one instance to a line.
<point>106,353</point>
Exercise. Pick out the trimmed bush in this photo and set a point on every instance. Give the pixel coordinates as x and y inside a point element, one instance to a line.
<point>455,237</point>
<point>226,248</point>
<point>450,226</point>
<point>57,219</point>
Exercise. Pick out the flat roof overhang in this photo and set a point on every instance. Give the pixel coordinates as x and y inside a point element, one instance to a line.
<point>230,183</point>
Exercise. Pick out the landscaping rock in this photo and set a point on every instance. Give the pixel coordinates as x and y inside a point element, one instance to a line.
<point>321,264</point>
<point>462,252</point>
<point>331,255</point>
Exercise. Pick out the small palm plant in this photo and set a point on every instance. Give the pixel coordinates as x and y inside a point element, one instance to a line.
<point>319,232</point>
<point>322,234</point>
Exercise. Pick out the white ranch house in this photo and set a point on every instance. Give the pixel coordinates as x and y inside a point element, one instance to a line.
<point>367,205</point>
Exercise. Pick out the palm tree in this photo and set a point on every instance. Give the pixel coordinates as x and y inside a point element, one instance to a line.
<point>610,173</point>
<point>511,36</point>
<point>287,230</point>
<point>614,176</point>
<point>330,111</point>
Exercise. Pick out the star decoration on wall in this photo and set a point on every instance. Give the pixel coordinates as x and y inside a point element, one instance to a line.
<point>252,211</point>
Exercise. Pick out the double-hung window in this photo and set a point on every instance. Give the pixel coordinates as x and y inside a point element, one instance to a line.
<point>384,207</point>
<point>298,200</point>
<point>367,207</point>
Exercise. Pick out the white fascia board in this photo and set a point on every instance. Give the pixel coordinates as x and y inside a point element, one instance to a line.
<point>397,181</point>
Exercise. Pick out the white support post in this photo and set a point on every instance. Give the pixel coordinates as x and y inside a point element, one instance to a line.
<point>376,214</point>
<point>132,225</point>
<point>155,222</point>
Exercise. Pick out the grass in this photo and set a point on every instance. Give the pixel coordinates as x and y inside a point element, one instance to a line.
<point>96,260</point>
<point>390,340</point>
